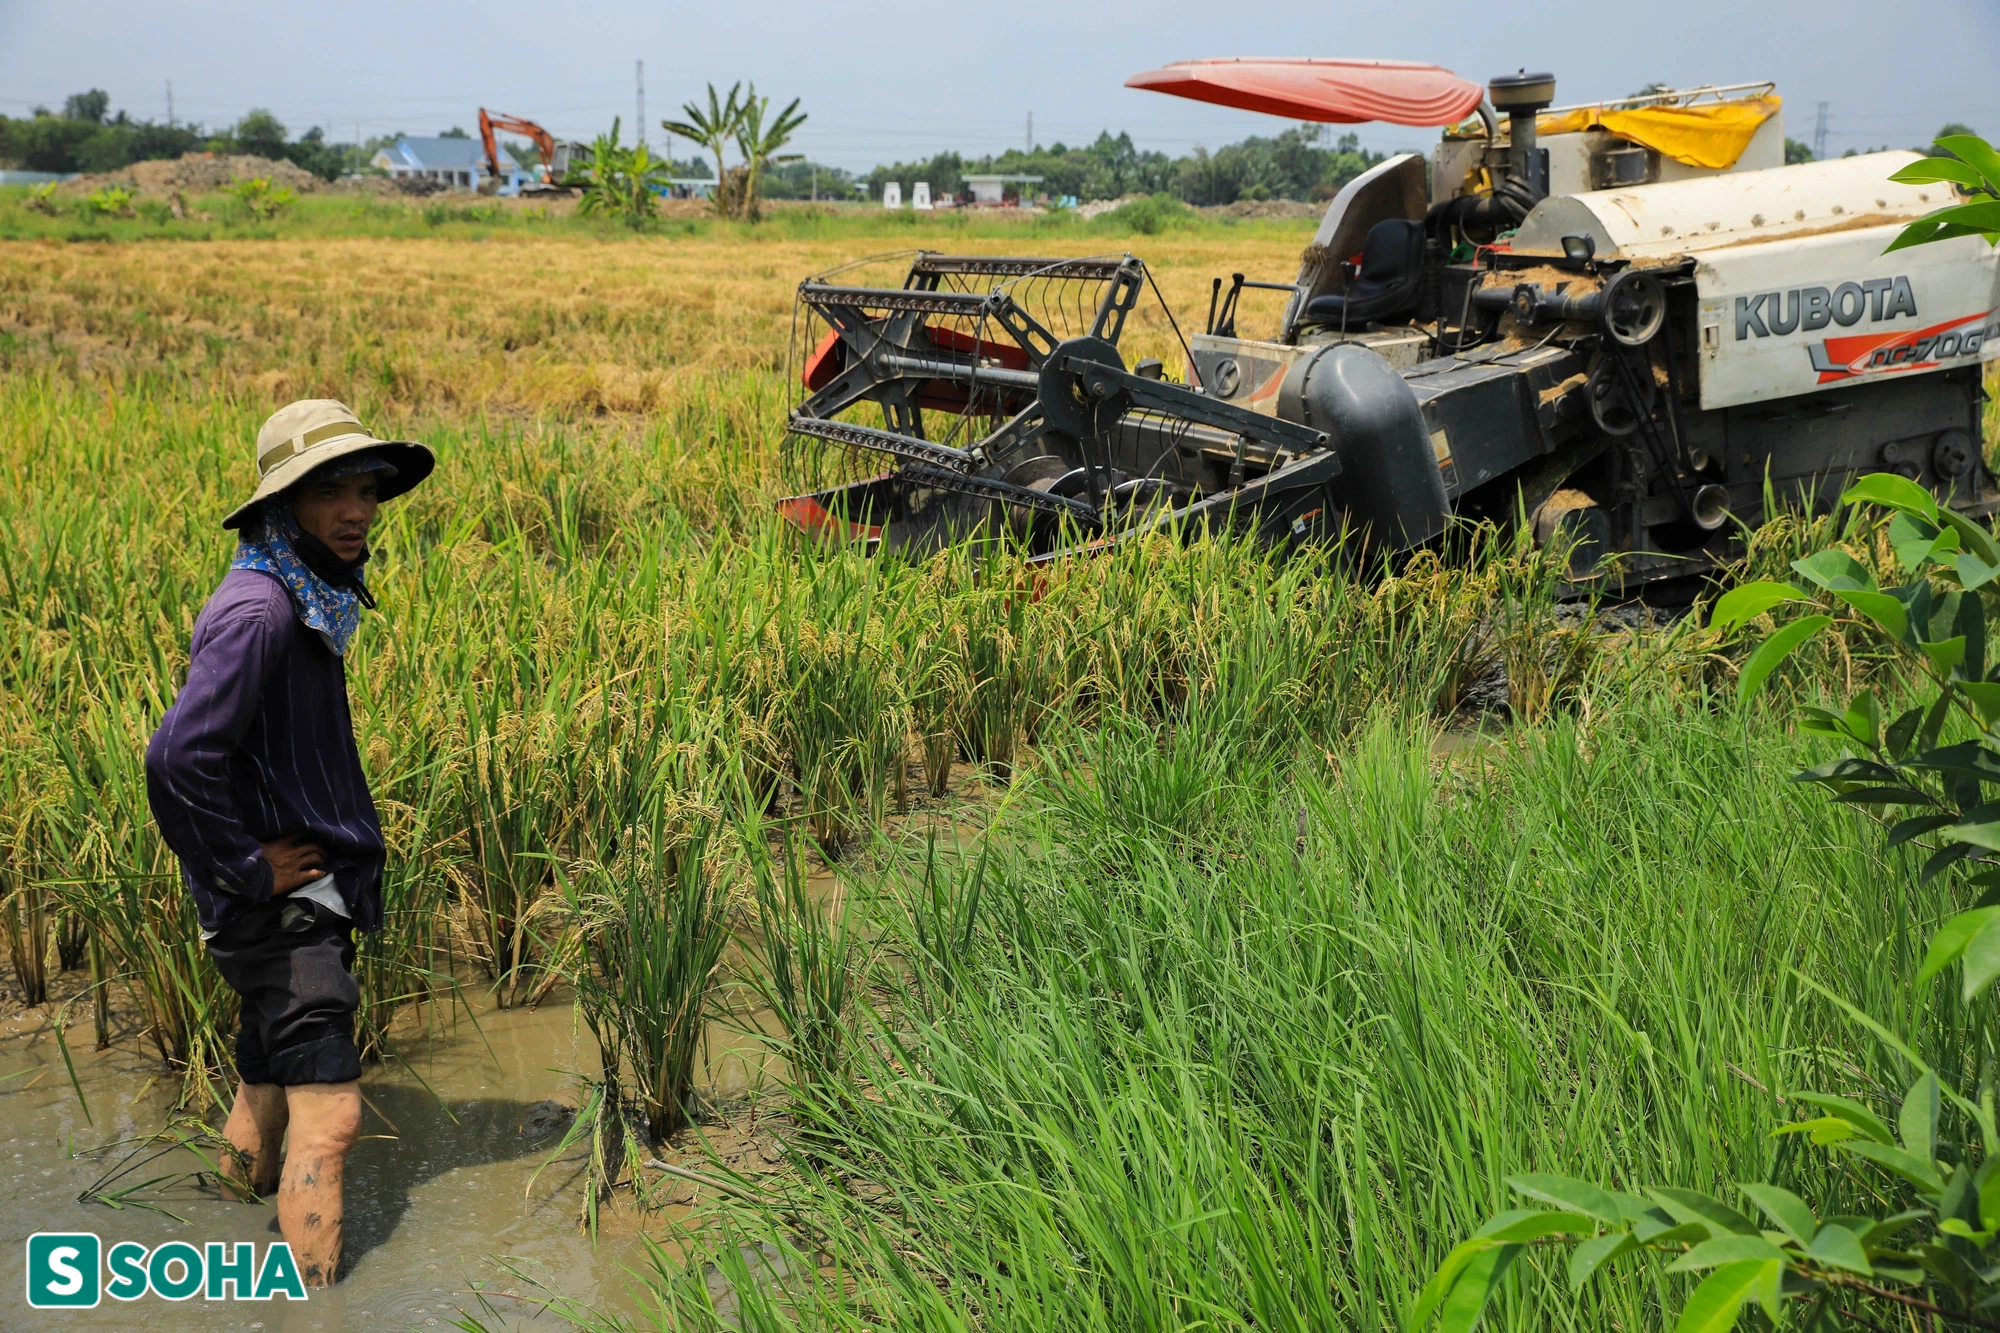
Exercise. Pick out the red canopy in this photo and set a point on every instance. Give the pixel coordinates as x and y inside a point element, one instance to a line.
<point>1345,92</point>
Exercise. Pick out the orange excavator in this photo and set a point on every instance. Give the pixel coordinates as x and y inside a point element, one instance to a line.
<point>555,155</point>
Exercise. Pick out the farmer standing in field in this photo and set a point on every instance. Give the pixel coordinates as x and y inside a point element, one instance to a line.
<point>257,786</point>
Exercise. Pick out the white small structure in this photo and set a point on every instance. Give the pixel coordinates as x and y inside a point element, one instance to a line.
<point>992,190</point>
<point>892,194</point>
<point>920,195</point>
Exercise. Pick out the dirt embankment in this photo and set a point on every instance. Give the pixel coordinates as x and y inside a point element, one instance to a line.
<point>198,173</point>
<point>1242,208</point>
<point>1262,208</point>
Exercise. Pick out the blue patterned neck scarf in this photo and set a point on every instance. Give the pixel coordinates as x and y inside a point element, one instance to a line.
<point>267,544</point>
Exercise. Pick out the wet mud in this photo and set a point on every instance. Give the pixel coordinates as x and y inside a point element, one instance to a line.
<point>437,1189</point>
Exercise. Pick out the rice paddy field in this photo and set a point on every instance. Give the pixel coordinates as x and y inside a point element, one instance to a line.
<point>1177,939</point>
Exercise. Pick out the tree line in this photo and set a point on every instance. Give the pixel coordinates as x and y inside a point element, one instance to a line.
<point>1293,164</point>
<point>87,136</point>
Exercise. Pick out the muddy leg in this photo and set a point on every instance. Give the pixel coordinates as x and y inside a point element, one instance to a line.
<point>325,1119</point>
<point>256,1128</point>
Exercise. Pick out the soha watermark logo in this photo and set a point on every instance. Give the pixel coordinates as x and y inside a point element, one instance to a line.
<point>72,1270</point>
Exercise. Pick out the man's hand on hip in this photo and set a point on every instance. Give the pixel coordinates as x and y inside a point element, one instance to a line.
<point>295,863</point>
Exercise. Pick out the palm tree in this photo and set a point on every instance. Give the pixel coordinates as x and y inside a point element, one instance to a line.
<point>713,129</point>
<point>760,144</point>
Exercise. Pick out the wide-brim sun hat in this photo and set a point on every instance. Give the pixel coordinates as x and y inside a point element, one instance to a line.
<point>302,437</point>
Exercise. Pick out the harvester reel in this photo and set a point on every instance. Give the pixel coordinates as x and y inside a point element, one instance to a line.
<point>1033,417</point>
<point>1635,307</point>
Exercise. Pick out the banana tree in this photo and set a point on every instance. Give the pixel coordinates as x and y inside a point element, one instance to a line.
<point>713,128</point>
<point>759,144</point>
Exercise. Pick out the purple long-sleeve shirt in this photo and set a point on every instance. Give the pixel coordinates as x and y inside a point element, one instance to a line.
<point>259,745</point>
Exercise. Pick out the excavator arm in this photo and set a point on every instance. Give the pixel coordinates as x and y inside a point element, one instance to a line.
<point>544,142</point>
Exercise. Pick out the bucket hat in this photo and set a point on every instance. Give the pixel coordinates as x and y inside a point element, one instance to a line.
<point>303,436</point>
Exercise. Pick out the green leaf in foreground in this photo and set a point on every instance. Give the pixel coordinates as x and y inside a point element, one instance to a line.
<point>1785,1208</point>
<point>1774,651</point>
<point>1570,1194</point>
<point>1595,1253</point>
<point>1466,1299</point>
<point>1517,1225</point>
<point>1981,960</point>
<point>1881,608</point>
<point>1837,1247</point>
<point>1714,1305</point>
<point>1955,936</point>
<point>1445,1279</point>
<point>1694,1206</point>
<point>1853,1112</point>
<point>1918,1120</point>
<point>1906,1164</point>
<point>1725,1250</point>
<point>1747,601</point>
<point>1928,170</point>
<point>1892,491</point>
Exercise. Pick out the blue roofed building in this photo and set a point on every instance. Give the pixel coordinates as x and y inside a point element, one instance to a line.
<point>455,163</point>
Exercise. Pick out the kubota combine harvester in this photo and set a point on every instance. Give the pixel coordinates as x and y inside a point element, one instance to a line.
<point>1627,321</point>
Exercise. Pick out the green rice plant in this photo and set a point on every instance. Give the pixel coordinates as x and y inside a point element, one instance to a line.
<point>1254,1078</point>
<point>1542,645</point>
<point>653,930</point>
<point>25,924</point>
<point>934,686</point>
<point>845,719</point>
<point>937,932</point>
<point>519,785</point>
<point>72,941</point>
<point>118,877</point>
<point>810,961</point>
<point>1927,788</point>
<point>996,666</point>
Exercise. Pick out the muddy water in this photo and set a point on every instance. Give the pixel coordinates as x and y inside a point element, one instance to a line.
<point>439,1188</point>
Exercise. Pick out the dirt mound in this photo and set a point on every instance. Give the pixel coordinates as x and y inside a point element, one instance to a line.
<point>198,173</point>
<point>1264,208</point>
<point>380,187</point>
<point>1099,207</point>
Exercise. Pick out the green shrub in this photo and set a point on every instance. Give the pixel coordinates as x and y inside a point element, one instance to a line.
<point>113,201</point>
<point>1148,217</point>
<point>264,200</point>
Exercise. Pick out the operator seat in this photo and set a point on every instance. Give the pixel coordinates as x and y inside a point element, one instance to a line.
<point>1391,278</point>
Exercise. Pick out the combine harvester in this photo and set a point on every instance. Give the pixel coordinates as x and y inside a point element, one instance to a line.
<point>1625,321</point>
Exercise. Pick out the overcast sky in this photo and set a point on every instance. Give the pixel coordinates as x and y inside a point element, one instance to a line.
<point>900,79</point>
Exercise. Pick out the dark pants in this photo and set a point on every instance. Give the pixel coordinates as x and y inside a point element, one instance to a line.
<point>292,962</point>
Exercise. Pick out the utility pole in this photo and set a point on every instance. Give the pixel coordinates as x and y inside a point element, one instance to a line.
<point>641,76</point>
<point>1819,134</point>
<point>1030,148</point>
<point>170,103</point>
